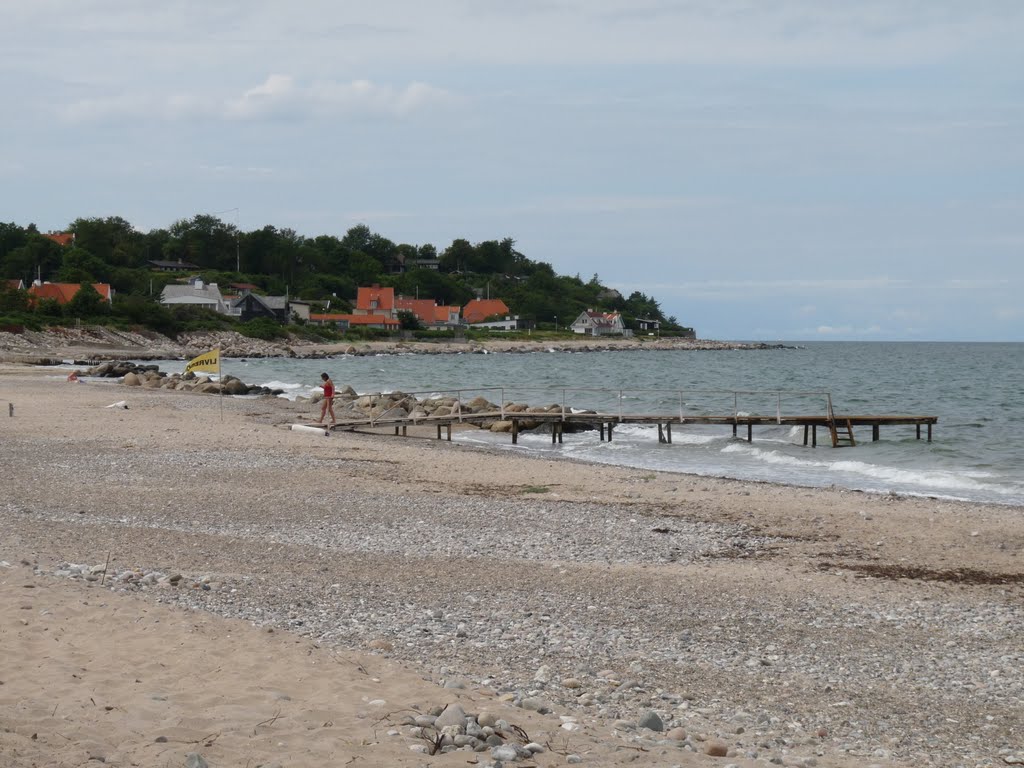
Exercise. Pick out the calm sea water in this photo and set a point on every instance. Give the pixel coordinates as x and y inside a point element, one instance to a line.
<point>975,389</point>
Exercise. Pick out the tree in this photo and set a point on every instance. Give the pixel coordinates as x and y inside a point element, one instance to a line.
<point>11,236</point>
<point>407,321</point>
<point>12,299</point>
<point>80,266</point>
<point>112,239</point>
<point>204,240</point>
<point>86,303</point>
<point>39,256</point>
<point>460,256</point>
<point>141,311</point>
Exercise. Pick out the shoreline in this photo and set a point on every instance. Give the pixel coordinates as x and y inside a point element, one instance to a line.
<point>87,346</point>
<point>712,602</point>
<point>173,381</point>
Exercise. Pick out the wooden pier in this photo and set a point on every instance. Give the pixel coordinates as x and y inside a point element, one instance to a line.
<point>840,428</point>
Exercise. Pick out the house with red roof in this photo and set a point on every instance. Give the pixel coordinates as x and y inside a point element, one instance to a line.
<point>63,293</point>
<point>375,300</point>
<point>15,285</point>
<point>61,238</point>
<point>479,310</point>
<point>428,312</point>
<point>343,321</point>
<point>446,314</point>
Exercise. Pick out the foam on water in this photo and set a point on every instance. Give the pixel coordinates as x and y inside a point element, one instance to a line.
<point>968,386</point>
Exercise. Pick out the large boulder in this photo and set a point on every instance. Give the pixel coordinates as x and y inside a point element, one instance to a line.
<point>234,386</point>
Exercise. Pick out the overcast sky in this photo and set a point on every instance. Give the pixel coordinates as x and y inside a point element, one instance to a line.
<point>767,169</point>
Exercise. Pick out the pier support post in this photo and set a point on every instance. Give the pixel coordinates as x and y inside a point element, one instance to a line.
<point>668,432</point>
<point>734,425</point>
<point>609,431</point>
<point>806,430</point>
<point>814,436</point>
<point>438,431</point>
<point>874,433</point>
<point>929,433</point>
<point>561,431</point>
<point>661,433</point>
<point>515,431</point>
<point>750,431</point>
<point>449,433</point>
<point>602,431</point>
<point>918,431</point>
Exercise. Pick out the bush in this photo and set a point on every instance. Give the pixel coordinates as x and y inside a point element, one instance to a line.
<point>138,310</point>
<point>190,319</point>
<point>262,328</point>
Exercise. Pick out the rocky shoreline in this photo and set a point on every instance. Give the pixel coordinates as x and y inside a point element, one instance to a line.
<point>91,345</point>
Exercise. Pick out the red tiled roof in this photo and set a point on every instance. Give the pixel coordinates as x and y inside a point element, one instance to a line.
<point>602,318</point>
<point>422,308</point>
<point>384,298</point>
<point>65,292</point>
<point>61,238</point>
<point>333,317</point>
<point>479,310</point>
<point>443,313</point>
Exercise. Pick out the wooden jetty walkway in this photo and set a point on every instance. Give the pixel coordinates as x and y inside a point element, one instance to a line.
<point>840,427</point>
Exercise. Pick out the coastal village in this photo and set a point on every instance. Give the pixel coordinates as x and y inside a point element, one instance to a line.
<point>375,307</point>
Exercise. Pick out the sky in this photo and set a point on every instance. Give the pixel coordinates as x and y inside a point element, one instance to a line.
<point>766,169</point>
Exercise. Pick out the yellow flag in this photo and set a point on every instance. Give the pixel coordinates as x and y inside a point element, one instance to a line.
<point>208,361</point>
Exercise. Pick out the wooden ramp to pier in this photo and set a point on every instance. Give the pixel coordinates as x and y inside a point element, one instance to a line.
<point>839,427</point>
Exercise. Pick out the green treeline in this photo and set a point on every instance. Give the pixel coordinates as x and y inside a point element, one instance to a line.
<point>321,269</point>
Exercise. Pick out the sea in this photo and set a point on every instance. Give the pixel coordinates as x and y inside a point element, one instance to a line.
<point>975,389</point>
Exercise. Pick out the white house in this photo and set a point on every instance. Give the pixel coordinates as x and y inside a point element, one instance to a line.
<point>591,323</point>
<point>510,323</point>
<point>196,294</point>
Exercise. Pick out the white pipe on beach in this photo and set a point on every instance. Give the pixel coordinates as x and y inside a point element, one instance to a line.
<point>305,428</point>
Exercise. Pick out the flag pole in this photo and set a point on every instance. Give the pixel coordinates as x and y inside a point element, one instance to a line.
<point>220,380</point>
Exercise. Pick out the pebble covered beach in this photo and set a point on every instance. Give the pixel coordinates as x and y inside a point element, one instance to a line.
<point>631,617</point>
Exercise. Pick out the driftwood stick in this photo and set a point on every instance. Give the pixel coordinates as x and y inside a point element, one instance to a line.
<point>105,566</point>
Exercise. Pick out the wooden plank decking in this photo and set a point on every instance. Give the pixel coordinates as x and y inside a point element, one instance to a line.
<point>606,422</point>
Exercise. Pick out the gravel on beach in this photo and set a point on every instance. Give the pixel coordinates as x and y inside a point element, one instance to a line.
<point>644,603</point>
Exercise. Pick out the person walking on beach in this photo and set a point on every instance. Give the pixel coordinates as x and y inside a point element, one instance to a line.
<point>328,404</point>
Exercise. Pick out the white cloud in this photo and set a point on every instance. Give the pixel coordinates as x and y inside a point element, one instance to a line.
<point>272,95</point>
<point>278,95</point>
<point>832,330</point>
<point>740,290</point>
<point>844,330</point>
<point>366,97</point>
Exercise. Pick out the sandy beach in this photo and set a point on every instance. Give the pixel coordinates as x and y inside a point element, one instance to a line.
<point>185,581</point>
